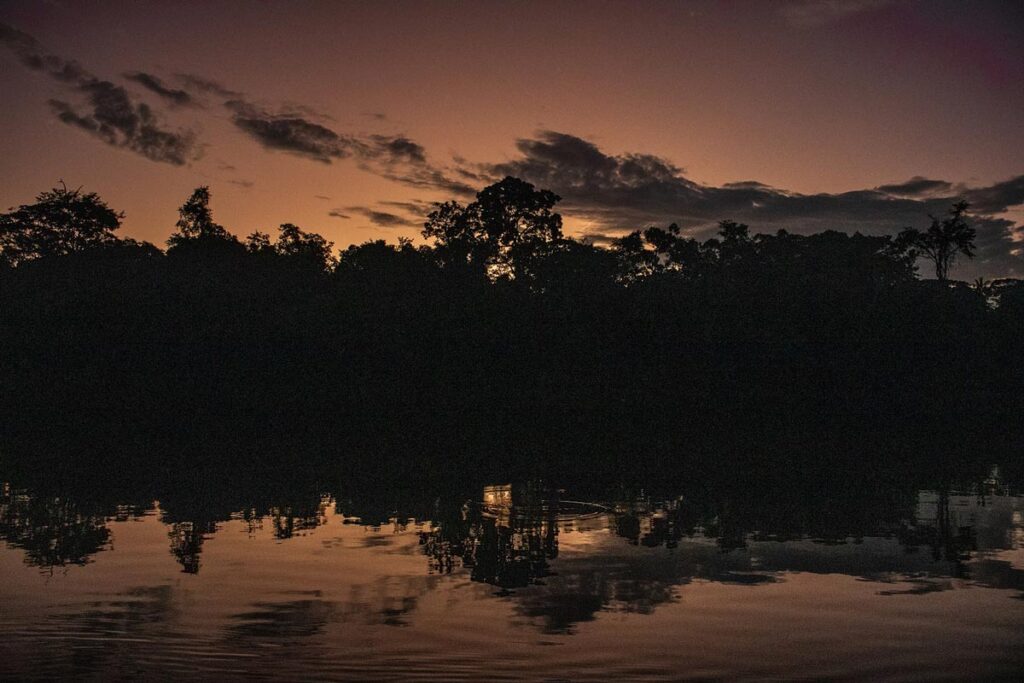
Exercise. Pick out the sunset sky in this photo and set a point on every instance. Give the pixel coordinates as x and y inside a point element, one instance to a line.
<point>350,119</point>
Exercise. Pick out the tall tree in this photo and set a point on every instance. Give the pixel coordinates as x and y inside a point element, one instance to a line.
<point>61,221</point>
<point>454,232</point>
<point>510,222</point>
<point>944,241</point>
<point>195,221</point>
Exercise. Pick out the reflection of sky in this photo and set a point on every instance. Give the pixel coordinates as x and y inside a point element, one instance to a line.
<point>356,600</point>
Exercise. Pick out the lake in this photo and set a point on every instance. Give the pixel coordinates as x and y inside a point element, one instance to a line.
<point>512,581</point>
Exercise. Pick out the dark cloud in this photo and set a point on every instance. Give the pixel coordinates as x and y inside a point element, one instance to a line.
<point>918,186</point>
<point>289,132</point>
<point>415,207</point>
<point>106,110</point>
<point>382,219</point>
<point>242,183</point>
<point>176,97</point>
<point>618,193</point>
<point>397,158</point>
<point>111,116</point>
<point>304,111</point>
<point>387,220</point>
<point>338,213</point>
<point>393,157</point>
<point>427,177</point>
<point>321,196</point>
<point>747,185</point>
<point>66,113</point>
<point>292,134</point>
<point>997,198</point>
<point>636,187</point>
<point>206,86</point>
<point>31,54</point>
<point>399,148</point>
<point>303,131</point>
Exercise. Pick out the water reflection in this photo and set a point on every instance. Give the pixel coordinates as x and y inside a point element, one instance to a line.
<point>504,540</point>
<point>510,535</point>
<point>250,571</point>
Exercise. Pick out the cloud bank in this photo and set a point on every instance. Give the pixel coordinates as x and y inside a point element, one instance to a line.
<point>623,192</point>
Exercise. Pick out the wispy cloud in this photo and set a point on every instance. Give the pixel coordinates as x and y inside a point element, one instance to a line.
<point>206,86</point>
<point>102,109</point>
<point>918,186</point>
<point>289,133</point>
<point>394,157</point>
<point>152,83</point>
<point>383,219</point>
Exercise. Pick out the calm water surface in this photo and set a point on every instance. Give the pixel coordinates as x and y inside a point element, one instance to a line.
<point>511,582</point>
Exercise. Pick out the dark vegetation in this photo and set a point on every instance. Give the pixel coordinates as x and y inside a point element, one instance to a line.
<point>501,346</point>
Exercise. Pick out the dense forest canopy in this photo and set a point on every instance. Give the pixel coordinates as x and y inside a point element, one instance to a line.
<point>501,341</point>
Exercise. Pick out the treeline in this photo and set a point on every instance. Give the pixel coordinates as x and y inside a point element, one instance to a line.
<point>500,345</point>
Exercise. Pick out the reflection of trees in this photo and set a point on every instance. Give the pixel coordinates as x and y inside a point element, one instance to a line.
<point>67,529</point>
<point>509,555</point>
<point>53,531</point>
<point>653,524</point>
<point>194,518</point>
<point>504,544</point>
<point>736,535</point>
<point>187,542</point>
<point>774,508</point>
<point>289,520</point>
<point>957,527</point>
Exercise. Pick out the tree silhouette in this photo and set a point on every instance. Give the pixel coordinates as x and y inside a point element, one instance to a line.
<point>60,222</point>
<point>456,240</point>
<point>510,222</point>
<point>502,331</point>
<point>295,243</point>
<point>944,241</point>
<point>518,219</point>
<point>259,243</point>
<point>309,246</point>
<point>195,221</point>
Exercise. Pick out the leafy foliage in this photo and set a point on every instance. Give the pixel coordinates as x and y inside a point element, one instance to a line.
<point>195,222</point>
<point>294,243</point>
<point>60,222</point>
<point>944,240</point>
<point>504,344</point>
<point>501,232</point>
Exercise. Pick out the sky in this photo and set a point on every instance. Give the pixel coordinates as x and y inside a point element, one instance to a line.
<point>353,119</point>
